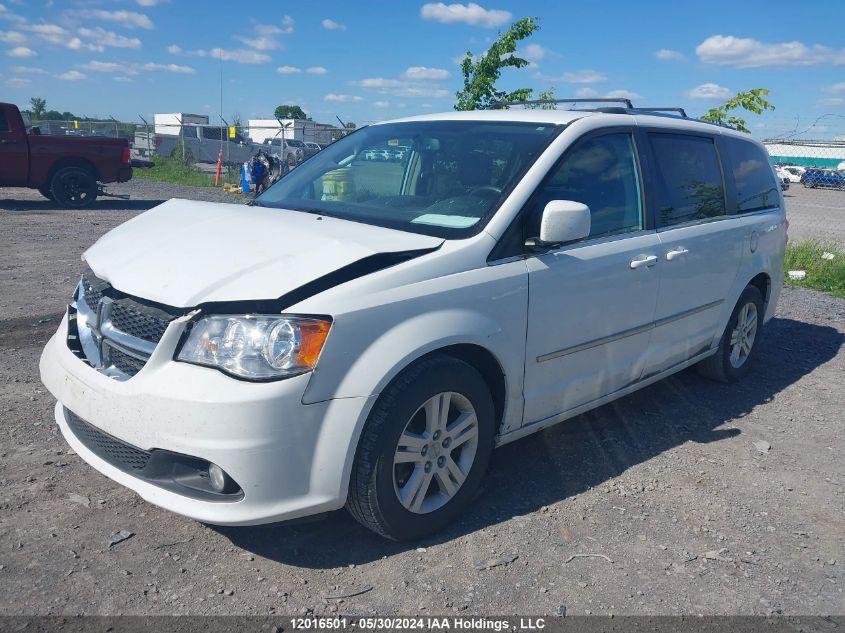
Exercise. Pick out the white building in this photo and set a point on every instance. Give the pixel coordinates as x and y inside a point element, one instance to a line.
<point>807,153</point>
<point>295,129</point>
<point>172,123</point>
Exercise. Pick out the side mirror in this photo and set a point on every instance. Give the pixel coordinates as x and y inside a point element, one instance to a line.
<point>563,221</point>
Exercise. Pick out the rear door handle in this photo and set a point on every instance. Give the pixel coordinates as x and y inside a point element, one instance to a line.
<point>676,253</point>
<point>644,260</point>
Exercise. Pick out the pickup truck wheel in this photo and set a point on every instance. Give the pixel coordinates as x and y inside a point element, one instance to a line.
<point>423,450</point>
<point>739,342</point>
<point>45,191</point>
<point>74,187</point>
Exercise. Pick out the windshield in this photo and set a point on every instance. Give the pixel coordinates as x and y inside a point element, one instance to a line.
<point>295,143</point>
<point>443,178</point>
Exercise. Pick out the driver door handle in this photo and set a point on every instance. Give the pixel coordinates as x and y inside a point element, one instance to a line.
<point>676,253</point>
<point>644,260</point>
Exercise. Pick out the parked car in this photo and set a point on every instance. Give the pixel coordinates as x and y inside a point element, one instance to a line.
<point>289,151</point>
<point>203,144</point>
<point>783,177</point>
<point>794,172</point>
<point>67,169</point>
<point>368,331</point>
<point>823,178</point>
<point>311,148</point>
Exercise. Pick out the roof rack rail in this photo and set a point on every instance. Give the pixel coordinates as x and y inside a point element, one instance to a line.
<point>503,104</point>
<point>680,111</point>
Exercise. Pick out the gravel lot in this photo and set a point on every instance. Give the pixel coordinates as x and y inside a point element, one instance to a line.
<point>815,213</point>
<point>700,497</point>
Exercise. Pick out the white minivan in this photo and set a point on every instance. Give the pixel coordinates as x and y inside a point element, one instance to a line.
<point>367,331</point>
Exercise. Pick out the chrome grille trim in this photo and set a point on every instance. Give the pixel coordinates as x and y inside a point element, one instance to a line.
<point>101,328</point>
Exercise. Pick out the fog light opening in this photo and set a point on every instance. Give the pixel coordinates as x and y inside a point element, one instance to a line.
<point>220,481</point>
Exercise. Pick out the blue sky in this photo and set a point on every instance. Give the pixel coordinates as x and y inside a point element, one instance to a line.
<point>370,60</point>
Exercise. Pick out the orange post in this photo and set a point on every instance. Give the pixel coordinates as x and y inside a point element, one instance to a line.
<point>219,173</point>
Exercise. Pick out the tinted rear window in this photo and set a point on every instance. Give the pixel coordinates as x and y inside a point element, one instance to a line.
<point>756,187</point>
<point>4,125</point>
<point>689,179</point>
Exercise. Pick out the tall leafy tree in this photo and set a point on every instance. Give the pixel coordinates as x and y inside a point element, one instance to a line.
<point>39,108</point>
<point>753,100</point>
<point>289,112</point>
<point>481,74</point>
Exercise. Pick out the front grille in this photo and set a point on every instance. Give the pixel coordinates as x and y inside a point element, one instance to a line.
<point>93,289</point>
<point>117,453</point>
<point>138,320</point>
<point>122,361</point>
<point>106,306</point>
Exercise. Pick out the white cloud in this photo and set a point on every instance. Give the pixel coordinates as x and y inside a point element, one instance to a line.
<point>584,77</point>
<point>286,27</point>
<point>832,101</point>
<point>28,70</point>
<point>260,42</point>
<point>239,55</point>
<point>576,77</point>
<point>148,3</point>
<point>12,37</point>
<point>100,37</point>
<point>667,54</point>
<point>623,94</point>
<point>471,13</point>
<point>18,82</point>
<point>342,98</point>
<point>21,51</point>
<point>105,67</point>
<point>265,37</point>
<point>750,53</point>
<point>317,70</point>
<point>381,104</point>
<point>709,91</point>
<point>535,52</point>
<point>169,68</point>
<point>7,15</point>
<point>72,75</point>
<point>288,70</point>
<point>402,88</point>
<point>331,25</point>
<point>591,93</point>
<point>174,49</point>
<point>836,88</point>
<point>126,19</point>
<point>423,72</point>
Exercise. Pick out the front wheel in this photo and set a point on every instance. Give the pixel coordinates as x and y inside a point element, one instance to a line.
<point>739,343</point>
<point>423,450</point>
<point>74,187</point>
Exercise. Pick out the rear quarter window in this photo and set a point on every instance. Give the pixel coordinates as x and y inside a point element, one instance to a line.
<point>756,186</point>
<point>4,124</point>
<point>689,179</point>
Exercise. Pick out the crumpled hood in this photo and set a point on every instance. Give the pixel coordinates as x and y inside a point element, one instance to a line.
<point>183,253</point>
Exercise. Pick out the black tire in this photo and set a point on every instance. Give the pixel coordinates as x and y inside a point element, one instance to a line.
<point>45,191</point>
<point>719,366</point>
<point>372,497</point>
<point>74,187</point>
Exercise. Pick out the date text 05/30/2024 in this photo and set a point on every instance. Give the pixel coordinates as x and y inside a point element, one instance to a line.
<point>429,623</point>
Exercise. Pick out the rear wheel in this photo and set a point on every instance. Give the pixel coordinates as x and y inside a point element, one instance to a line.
<point>423,450</point>
<point>74,187</point>
<point>740,341</point>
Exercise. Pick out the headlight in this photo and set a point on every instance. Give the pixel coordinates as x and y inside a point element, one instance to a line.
<point>260,347</point>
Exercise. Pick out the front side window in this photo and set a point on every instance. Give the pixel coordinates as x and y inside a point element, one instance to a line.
<point>688,178</point>
<point>600,172</point>
<point>756,187</point>
<point>443,178</point>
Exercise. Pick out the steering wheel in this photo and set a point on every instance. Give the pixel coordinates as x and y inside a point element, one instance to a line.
<point>486,190</point>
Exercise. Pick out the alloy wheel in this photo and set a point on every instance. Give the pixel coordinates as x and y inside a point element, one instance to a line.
<point>435,452</point>
<point>743,335</point>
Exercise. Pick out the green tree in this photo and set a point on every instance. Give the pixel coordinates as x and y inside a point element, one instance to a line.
<point>39,107</point>
<point>289,112</point>
<point>481,75</point>
<point>749,100</point>
<point>545,95</point>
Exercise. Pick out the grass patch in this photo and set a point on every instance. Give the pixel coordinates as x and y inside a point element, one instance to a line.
<point>176,171</point>
<point>823,274</point>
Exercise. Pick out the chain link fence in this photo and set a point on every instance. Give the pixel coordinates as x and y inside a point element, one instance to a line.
<point>813,172</point>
